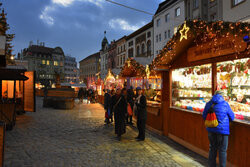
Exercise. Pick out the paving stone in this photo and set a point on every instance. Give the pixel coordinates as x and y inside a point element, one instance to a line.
<point>78,137</point>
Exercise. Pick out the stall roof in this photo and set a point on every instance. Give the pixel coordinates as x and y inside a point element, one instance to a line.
<point>9,75</point>
<point>74,85</point>
<point>132,68</point>
<point>194,33</point>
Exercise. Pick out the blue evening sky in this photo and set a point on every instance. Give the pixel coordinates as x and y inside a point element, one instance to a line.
<point>75,25</point>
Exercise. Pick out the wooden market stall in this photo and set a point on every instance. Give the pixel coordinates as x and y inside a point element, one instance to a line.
<point>17,93</point>
<point>138,75</point>
<point>200,59</point>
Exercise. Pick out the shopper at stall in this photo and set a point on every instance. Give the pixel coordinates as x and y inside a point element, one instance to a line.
<point>120,109</point>
<point>218,136</point>
<point>150,93</point>
<point>141,104</point>
<point>130,96</point>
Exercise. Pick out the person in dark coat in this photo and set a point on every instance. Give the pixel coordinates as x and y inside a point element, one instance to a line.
<point>141,104</point>
<point>130,96</point>
<point>218,136</point>
<point>113,96</point>
<point>120,110</point>
<point>107,105</point>
<point>80,95</point>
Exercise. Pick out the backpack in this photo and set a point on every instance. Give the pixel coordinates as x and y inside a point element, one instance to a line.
<point>211,119</point>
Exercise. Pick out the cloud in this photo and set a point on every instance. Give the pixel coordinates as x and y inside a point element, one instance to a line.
<point>45,15</point>
<point>63,2</point>
<point>124,25</point>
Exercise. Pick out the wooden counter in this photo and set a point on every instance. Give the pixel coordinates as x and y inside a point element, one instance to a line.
<point>154,118</point>
<point>187,128</point>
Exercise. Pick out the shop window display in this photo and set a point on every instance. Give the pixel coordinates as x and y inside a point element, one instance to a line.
<point>233,79</point>
<point>192,87</point>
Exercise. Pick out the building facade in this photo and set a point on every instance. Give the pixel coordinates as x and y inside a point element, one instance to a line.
<point>89,67</point>
<point>140,44</point>
<point>70,69</point>
<point>121,52</point>
<point>47,62</point>
<point>168,17</point>
<point>236,11</point>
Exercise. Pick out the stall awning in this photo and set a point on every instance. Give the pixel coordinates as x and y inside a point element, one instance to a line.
<point>8,75</point>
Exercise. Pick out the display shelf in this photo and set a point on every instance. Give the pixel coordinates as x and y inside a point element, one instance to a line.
<point>242,86</point>
<point>193,98</point>
<point>192,88</point>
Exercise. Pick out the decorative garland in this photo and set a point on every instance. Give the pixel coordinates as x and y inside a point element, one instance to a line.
<point>202,32</point>
<point>132,68</point>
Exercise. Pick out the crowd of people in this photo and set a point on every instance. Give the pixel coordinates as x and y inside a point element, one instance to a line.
<point>122,104</point>
<point>88,94</point>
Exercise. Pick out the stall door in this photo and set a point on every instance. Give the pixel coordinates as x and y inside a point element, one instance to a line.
<point>29,92</point>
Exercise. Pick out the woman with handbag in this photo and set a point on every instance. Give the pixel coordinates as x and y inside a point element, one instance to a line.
<point>120,111</point>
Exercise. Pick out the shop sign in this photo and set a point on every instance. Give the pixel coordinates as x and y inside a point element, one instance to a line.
<point>2,45</point>
<point>223,46</point>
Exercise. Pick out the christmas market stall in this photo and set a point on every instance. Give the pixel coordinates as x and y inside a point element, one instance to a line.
<point>139,76</point>
<point>17,93</point>
<point>200,59</point>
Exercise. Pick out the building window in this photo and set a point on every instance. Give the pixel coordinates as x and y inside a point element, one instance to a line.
<point>149,34</point>
<point>196,4</point>
<point>167,17</point>
<point>138,50</point>
<point>237,2</point>
<point>169,34</point>
<point>149,46</point>
<point>175,30</point>
<point>130,52</point>
<point>160,37</point>
<point>178,11</point>
<point>165,34</point>
<point>156,38</point>
<point>43,61</point>
<point>130,43</point>
<point>47,62</point>
<point>158,22</point>
<point>213,17</point>
<point>55,63</point>
<point>142,48</point>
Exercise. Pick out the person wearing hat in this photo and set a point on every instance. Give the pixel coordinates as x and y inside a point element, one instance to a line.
<point>218,136</point>
<point>141,104</point>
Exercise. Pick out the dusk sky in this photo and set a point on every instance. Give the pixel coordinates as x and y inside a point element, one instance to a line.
<point>76,25</point>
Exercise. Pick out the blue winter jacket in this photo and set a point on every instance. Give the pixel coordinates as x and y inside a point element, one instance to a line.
<point>223,113</point>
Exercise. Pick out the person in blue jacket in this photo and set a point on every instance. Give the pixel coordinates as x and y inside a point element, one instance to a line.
<point>218,136</point>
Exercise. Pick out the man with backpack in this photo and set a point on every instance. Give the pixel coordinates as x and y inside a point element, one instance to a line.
<point>218,112</point>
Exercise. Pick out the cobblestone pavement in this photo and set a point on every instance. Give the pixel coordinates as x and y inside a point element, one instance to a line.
<point>79,137</point>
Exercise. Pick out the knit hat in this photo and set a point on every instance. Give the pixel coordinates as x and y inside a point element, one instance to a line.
<point>138,88</point>
<point>219,92</point>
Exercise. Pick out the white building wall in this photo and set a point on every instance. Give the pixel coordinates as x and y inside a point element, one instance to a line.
<point>240,12</point>
<point>171,25</point>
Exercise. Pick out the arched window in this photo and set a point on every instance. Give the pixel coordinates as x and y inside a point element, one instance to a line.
<point>138,50</point>
<point>149,46</point>
<point>142,48</point>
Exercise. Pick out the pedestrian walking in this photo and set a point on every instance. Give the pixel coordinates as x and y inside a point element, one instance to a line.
<point>218,135</point>
<point>107,105</point>
<point>130,96</point>
<point>120,109</point>
<point>141,104</point>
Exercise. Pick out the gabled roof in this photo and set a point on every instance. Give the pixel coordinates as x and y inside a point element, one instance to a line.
<point>97,54</point>
<point>144,28</point>
<point>40,49</point>
<point>164,5</point>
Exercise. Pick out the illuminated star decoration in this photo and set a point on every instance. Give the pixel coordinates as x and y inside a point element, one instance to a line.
<point>129,63</point>
<point>184,32</point>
